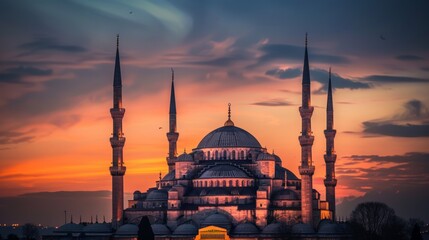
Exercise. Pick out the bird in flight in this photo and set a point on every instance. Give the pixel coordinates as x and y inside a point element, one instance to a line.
<point>131,12</point>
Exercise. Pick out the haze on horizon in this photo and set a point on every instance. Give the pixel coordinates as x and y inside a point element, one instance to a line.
<point>56,76</point>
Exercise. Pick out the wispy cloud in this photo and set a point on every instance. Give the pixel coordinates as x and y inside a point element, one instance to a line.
<point>49,44</point>
<point>409,57</point>
<point>273,103</point>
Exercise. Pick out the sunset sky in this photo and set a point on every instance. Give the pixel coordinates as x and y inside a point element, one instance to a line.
<point>56,76</point>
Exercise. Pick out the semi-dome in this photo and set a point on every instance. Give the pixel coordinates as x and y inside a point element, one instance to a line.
<point>273,228</point>
<point>265,156</point>
<point>160,229</point>
<point>128,229</point>
<point>302,228</point>
<point>98,228</point>
<point>224,171</point>
<point>246,228</point>
<point>229,136</point>
<point>217,219</point>
<point>184,157</point>
<point>70,228</point>
<point>186,229</point>
<point>285,194</point>
<point>157,195</point>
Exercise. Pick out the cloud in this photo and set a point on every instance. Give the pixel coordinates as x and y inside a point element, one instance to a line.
<point>394,79</point>
<point>273,103</point>
<point>14,137</point>
<point>399,126</point>
<point>65,121</point>
<point>17,74</point>
<point>46,44</point>
<point>284,73</point>
<point>393,179</point>
<point>290,52</point>
<point>409,58</point>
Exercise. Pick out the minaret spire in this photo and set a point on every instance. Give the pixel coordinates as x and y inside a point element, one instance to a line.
<point>330,156</point>
<point>172,135</point>
<point>117,141</point>
<point>306,169</point>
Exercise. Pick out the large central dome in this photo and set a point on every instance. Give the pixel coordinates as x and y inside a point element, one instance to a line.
<point>229,136</point>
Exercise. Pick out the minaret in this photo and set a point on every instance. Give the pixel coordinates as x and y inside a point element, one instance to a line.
<point>330,156</point>
<point>117,170</point>
<point>306,141</point>
<point>172,135</point>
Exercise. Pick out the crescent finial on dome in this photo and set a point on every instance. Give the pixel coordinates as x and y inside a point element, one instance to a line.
<point>229,122</point>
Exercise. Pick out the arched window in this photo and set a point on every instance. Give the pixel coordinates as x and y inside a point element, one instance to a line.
<point>217,183</point>
<point>237,183</point>
<point>224,154</point>
<point>242,183</point>
<point>216,155</point>
<point>230,183</point>
<point>242,155</point>
<point>223,183</point>
<point>233,155</point>
<point>208,155</point>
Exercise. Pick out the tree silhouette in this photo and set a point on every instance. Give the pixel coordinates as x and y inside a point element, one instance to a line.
<point>30,231</point>
<point>375,220</point>
<point>416,235</point>
<point>12,237</point>
<point>145,230</point>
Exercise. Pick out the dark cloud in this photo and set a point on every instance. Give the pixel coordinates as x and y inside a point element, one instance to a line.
<point>284,73</point>
<point>45,44</point>
<point>409,58</point>
<point>66,121</point>
<point>425,68</point>
<point>17,74</point>
<point>393,179</point>
<point>273,103</point>
<point>14,137</point>
<point>396,130</point>
<point>394,79</point>
<point>291,52</point>
<point>321,76</point>
<point>399,126</point>
<point>223,61</point>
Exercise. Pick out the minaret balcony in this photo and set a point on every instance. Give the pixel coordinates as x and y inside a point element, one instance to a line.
<point>306,170</point>
<point>306,140</point>
<point>117,112</point>
<point>117,170</point>
<point>117,141</point>
<point>330,158</point>
<point>306,112</point>
<point>330,133</point>
<point>330,182</point>
<point>172,136</point>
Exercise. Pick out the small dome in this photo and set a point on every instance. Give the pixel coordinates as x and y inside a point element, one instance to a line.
<point>281,172</point>
<point>160,229</point>
<point>170,175</point>
<point>273,228</point>
<point>70,228</point>
<point>302,228</point>
<point>98,228</point>
<point>128,229</point>
<point>224,171</point>
<point>217,219</point>
<point>246,228</point>
<point>229,136</point>
<point>157,195</point>
<point>277,158</point>
<point>186,229</point>
<point>137,192</point>
<point>184,157</point>
<point>285,194</point>
<point>328,227</point>
<point>265,156</point>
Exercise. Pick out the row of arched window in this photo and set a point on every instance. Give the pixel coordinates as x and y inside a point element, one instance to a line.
<point>224,183</point>
<point>225,155</point>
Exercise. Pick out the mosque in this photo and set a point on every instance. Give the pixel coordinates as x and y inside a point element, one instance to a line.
<point>227,187</point>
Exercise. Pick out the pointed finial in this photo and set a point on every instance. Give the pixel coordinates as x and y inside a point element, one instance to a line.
<point>329,72</point>
<point>80,219</point>
<point>285,179</point>
<point>172,74</point>
<point>229,122</point>
<point>91,219</point>
<point>229,111</point>
<point>117,40</point>
<point>96,218</point>
<point>104,219</point>
<point>71,218</point>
